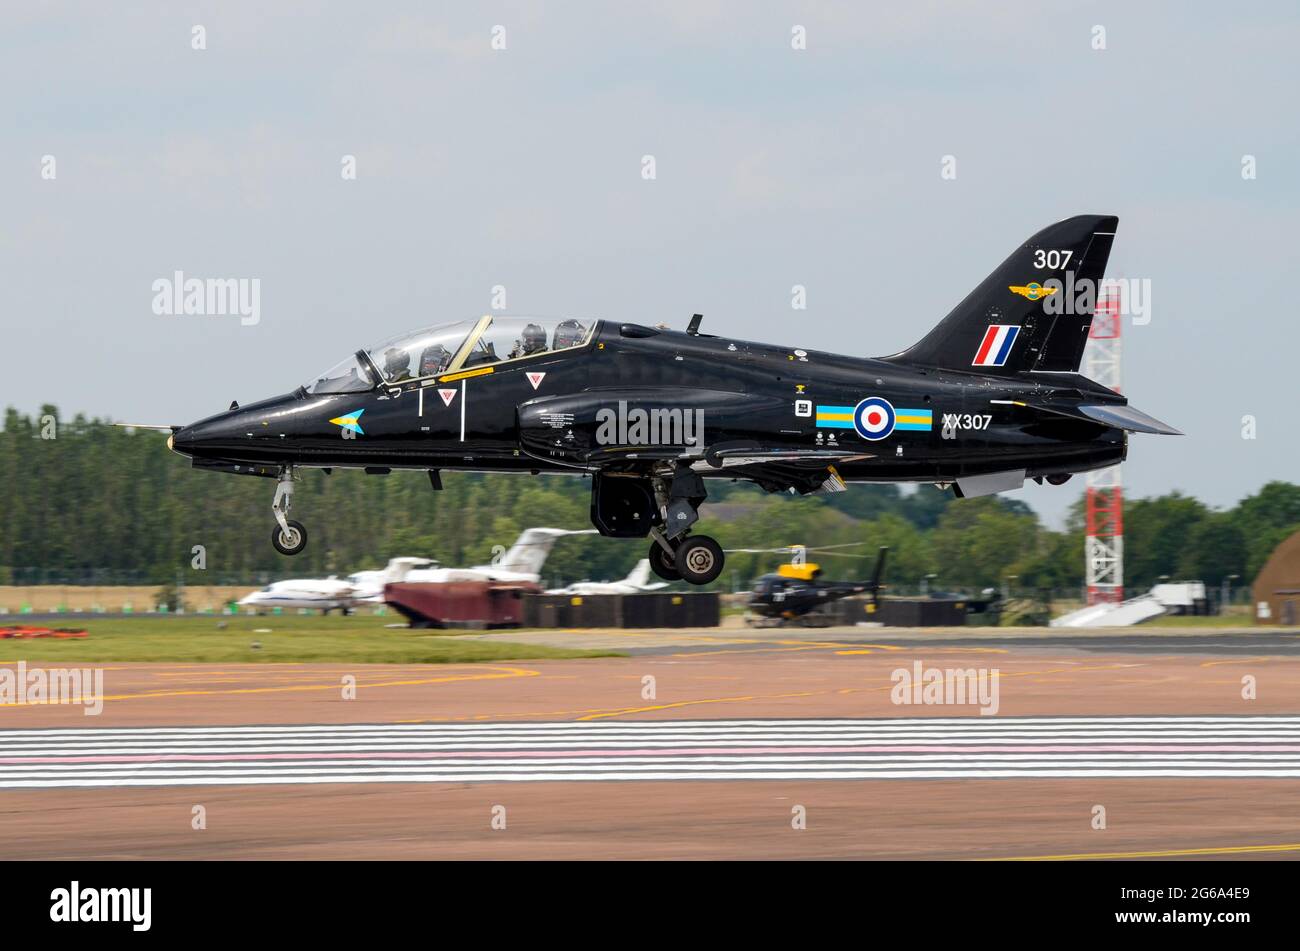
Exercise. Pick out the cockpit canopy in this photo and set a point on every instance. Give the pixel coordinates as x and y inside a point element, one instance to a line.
<point>450,347</point>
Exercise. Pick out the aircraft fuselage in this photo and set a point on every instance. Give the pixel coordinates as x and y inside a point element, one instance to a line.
<point>544,414</point>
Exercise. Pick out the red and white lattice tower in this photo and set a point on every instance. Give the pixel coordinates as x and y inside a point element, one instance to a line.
<point>1104,542</point>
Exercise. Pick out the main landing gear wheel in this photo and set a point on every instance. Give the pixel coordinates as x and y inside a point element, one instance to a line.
<point>291,539</point>
<point>699,559</point>
<point>662,563</point>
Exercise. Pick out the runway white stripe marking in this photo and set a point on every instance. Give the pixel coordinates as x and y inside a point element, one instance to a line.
<point>963,725</point>
<point>926,748</point>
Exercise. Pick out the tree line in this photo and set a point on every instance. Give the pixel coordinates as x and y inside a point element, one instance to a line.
<point>88,502</point>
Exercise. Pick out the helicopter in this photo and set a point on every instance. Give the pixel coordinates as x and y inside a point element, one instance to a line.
<point>796,594</point>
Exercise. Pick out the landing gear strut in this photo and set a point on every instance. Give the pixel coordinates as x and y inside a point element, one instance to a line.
<point>289,536</point>
<point>696,559</point>
<point>663,505</point>
<point>663,557</point>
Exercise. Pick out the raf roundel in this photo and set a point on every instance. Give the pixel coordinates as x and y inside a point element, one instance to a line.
<point>873,418</point>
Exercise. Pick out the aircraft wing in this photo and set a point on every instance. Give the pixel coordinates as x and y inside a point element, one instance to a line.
<point>749,456</point>
<point>630,426</point>
<point>728,455</point>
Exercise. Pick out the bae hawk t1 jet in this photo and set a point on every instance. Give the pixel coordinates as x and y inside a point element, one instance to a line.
<point>990,397</point>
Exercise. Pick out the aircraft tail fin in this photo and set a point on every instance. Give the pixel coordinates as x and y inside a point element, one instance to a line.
<point>878,574</point>
<point>1006,325</point>
<point>640,575</point>
<point>397,568</point>
<point>529,552</point>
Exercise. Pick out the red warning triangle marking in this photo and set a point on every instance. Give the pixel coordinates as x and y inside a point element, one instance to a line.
<point>447,396</point>
<point>536,379</point>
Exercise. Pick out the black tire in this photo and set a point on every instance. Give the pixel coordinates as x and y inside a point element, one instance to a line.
<point>699,559</point>
<point>662,563</point>
<point>294,542</point>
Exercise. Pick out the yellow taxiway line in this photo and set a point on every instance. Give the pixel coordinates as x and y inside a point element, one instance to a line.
<point>1163,853</point>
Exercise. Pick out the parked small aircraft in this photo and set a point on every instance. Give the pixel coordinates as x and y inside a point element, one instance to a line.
<point>522,562</point>
<point>635,583</point>
<point>328,594</point>
<point>370,584</point>
<point>987,399</point>
<point>324,594</point>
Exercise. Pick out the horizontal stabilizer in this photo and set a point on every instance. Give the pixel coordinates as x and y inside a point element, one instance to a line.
<point>1115,415</point>
<point>1126,417</point>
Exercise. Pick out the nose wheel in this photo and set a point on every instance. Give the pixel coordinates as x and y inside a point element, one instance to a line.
<point>291,539</point>
<point>289,536</point>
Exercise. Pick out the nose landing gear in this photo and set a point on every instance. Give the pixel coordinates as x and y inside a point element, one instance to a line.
<point>289,536</point>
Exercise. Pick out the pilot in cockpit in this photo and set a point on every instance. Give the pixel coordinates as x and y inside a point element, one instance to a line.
<point>531,341</point>
<point>569,333</point>
<point>397,365</point>
<point>434,359</point>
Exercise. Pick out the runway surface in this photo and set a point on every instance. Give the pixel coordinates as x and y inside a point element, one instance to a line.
<point>702,744</point>
<point>931,748</point>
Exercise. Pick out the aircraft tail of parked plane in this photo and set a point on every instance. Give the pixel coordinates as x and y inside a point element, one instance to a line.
<point>528,554</point>
<point>637,582</point>
<point>369,585</point>
<point>640,576</point>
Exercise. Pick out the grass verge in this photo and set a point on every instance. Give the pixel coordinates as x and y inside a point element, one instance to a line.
<point>271,640</point>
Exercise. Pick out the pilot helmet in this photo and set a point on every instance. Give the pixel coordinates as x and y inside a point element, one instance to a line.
<point>569,334</point>
<point>396,362</point>
<point>434,359</point>
<point>533,338</point>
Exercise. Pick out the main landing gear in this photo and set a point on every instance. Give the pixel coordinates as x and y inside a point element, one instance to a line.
<point>675,554</point>
<point>662,505</point>
<point>695,559</point>
<point>289,536</point>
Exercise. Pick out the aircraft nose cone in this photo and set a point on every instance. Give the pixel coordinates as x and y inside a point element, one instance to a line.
<point>182,441</point>
<point>259,432</point>
<point>208,436</point>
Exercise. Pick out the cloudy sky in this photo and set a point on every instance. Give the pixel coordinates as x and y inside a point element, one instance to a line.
<point>522,167</point>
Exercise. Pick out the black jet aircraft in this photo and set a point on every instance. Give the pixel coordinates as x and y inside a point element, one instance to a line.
<point>987,399</point>
<point>796,593</point>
